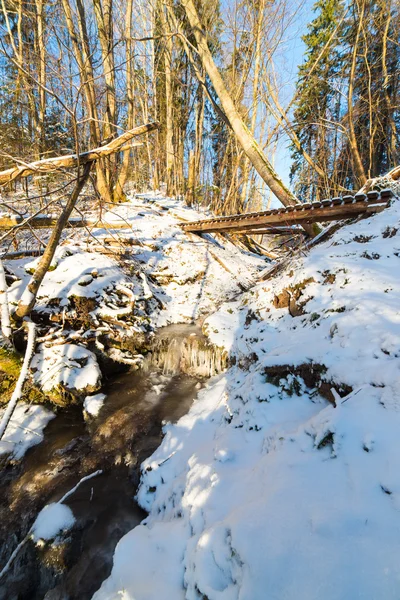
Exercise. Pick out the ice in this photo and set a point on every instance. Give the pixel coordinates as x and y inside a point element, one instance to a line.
<point>191,355</point>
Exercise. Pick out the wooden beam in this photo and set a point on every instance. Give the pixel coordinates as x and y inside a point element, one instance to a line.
<point>269,231</point>
<point>328,210</point>
<point>48,165</point>
<point>44,222</point>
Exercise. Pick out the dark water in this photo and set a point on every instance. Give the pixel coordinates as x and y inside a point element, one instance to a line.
<point>126,431</point>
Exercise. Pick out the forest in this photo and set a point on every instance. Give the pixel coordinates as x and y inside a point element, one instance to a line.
<point>199,299</point>
<point>75,75</point>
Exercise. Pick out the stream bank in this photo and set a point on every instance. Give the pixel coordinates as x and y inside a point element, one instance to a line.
<point>127,430</point>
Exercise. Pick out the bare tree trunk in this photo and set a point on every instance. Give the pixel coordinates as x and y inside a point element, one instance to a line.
<point>257,71</point>
<point>199,135</point>
<point>355,154</point>
<point>191,179</point>
<point>169,108</point>
<point>130,92</point>
<point>389,109</point>
<point>42,76</point>
<point>84,59</point>
<point>28,298</point>
<point>243,135</point>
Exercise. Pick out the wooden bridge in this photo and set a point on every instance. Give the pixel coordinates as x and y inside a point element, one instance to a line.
<point>278,220</point>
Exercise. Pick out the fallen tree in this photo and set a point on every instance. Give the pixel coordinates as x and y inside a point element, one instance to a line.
<point>83,163</point>
<point>72,161</point>
<point>242,133</point>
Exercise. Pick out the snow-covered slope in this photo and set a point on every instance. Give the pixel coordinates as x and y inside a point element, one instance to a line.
<point>282,482</point>
<point>161,276</point>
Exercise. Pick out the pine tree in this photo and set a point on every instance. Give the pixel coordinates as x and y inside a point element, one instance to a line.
<point>316,101</point>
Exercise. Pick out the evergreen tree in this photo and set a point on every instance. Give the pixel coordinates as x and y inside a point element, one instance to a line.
<point>317,102</point>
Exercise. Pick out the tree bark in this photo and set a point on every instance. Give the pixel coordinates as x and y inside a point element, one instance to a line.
<point>119,194</point>
<point>354,151</point>
<point>28,298</point>
<point>72,160</point>
<point>84,59</point>
<point>243,135</point>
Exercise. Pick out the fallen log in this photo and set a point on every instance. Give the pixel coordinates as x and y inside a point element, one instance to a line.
<point>69,161</point>
<point>47,222</point>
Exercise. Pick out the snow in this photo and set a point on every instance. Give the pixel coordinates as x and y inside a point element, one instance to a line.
<point>4,308</point>
<point>93,404</point>
<point>265,489</point>
<point>25,429</point>
<point>165,277</point>
<point>69,365</point>
<point>53,519</point>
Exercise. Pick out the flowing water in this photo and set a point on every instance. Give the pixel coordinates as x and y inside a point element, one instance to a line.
<point>126,431</point>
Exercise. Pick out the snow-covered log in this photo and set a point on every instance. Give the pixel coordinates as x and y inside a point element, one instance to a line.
<point>49,165</point>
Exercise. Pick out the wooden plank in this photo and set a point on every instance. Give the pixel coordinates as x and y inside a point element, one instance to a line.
<point>297,215</point>
<point>269,231</point>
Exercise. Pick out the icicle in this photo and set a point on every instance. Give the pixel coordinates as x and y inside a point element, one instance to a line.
<point>189,355</point>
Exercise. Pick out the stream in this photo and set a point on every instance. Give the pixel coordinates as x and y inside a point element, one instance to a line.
<point>127,430</point>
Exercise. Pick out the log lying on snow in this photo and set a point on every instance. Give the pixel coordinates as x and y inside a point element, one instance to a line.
<point>46,222</point>
<point>69,161</point>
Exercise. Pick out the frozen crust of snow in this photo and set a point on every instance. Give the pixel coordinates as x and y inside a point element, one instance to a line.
<point>93,404</point>
<point>53,519</point>
<point>265,489</point>
<point>25,429</point>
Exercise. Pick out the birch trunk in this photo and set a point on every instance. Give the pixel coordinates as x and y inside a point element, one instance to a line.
<point>28,298</point>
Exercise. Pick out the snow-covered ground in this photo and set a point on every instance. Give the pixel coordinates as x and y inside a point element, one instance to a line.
<point>164,277</point>
<point>282,482</point>
<point>25,429</point>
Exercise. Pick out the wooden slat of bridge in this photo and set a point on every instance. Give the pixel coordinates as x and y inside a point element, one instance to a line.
<point>335,209</point>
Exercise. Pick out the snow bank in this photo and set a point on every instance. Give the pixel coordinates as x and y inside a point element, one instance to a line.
<point>265,489</point>
<point>53,519</point>
<point>25,429</point>
<point>71,366</point>
<point>190,275</point>
<point>93,404</point>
